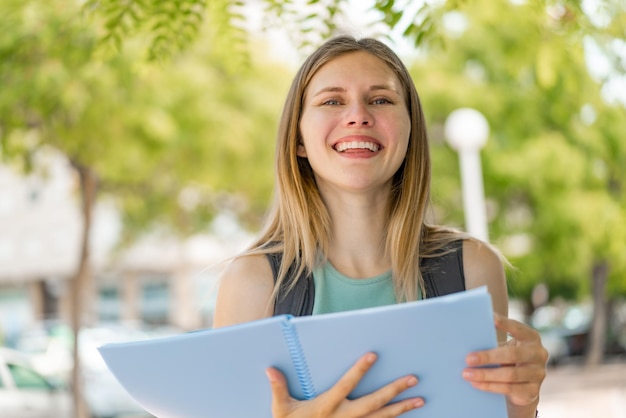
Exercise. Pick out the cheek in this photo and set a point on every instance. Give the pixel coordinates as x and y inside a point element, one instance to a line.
<point>400,130</point>
<point>315,122</point>
<point>312,132</point>
<point>403,134</point>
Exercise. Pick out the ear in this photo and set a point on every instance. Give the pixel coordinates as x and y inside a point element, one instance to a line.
<point>300,149</point>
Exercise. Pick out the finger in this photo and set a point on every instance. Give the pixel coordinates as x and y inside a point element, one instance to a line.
<point>518,330</point>
<point>381,398</point>
<point>352,377</point>
<point>280,391</point>
<point>519,374</point>
<point>505,388</point>
<point>508,355</point>
<point>397,408</point>
<point>518,393</point>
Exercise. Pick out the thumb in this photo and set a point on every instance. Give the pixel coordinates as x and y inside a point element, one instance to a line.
<point>280,392</point>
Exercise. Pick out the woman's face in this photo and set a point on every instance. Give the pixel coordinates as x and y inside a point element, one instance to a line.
<point>355,124</point>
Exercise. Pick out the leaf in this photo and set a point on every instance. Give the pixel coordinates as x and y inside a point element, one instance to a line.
<point>113,23</point>
<point>546,67</point>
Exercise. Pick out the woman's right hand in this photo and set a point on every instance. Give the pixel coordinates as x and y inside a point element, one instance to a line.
<point>334,403</point>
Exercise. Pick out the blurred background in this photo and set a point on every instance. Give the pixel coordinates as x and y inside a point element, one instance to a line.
<point>136,156</point>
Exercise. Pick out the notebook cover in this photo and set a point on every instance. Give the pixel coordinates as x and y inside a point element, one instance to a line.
<point>429,338</point>
<point>220,373</point>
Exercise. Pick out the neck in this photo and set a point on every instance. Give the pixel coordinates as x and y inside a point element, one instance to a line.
<point>358,232</point>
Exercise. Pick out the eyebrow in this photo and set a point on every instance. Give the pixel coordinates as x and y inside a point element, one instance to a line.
<point>376,87</point>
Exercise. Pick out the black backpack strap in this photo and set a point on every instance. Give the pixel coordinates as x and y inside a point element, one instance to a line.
<point>444,274</point>
<point>299,301</point>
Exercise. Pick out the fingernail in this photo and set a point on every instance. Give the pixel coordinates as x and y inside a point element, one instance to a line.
<point>468,374</point>
<point>418,403</point>
<point>270,376</point>
<point>471,359</point>
<point>370,357</point>
<point>411,381</point>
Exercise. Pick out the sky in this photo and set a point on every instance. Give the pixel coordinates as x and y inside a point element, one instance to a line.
<point>362,21</point>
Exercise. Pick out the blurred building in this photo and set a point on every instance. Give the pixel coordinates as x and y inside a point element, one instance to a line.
<point>158,281</point>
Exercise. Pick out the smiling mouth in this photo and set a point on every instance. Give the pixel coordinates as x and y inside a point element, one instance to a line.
<point>357,145</point>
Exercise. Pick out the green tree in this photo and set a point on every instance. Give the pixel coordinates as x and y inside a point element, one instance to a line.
<point>140,133</point>
<point>552,166</point>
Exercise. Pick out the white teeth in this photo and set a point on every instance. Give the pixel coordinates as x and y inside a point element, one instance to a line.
<point>343,146</point>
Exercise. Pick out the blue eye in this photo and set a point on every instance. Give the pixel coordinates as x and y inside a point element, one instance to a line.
<point>331,102</point>
<point>381,100</point>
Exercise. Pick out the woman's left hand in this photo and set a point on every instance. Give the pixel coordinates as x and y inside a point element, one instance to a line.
<point>521,360</point>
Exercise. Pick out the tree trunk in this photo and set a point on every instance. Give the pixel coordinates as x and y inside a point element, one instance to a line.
<point>88,183</point>
<point>597,334</point>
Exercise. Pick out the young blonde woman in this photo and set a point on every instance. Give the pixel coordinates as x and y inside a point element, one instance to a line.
<point>348,230</point>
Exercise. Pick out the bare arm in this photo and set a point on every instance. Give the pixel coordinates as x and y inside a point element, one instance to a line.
<point>522,359</point>
<point>245,291</point>
<point>483,267</point>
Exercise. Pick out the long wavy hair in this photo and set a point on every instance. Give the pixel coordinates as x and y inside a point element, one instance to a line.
<point>298,223</point>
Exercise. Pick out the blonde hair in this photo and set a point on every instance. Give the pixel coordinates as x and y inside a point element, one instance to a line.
<point>298,224</point>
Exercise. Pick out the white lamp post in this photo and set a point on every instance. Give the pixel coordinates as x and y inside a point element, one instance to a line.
<point>467,130</point>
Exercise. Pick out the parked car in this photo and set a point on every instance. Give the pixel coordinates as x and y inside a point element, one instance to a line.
<point>49,344</point>
<point>104,395</point>
<point>565,332</point>
<point>24,393</point>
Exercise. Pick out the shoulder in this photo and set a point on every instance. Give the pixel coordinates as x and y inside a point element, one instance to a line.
<point>483,265</point>
<point>480,261</point>
<point>245,291</point>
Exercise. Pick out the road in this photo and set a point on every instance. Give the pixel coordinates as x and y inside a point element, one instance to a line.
<point>574,391</point>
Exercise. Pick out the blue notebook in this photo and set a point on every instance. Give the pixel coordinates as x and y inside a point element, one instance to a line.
<point>220,373</point>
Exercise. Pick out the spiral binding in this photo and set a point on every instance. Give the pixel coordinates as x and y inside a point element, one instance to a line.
<point>299,361</point>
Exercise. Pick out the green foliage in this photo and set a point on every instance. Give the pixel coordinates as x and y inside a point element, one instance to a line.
<point>172,23</point>
<point>168,27</point>
<point>552,173</point>
<point>424,24</point>
<point>308,23</point>
<point>172,143</point>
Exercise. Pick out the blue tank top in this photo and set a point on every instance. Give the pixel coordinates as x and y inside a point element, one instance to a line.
<point>443,274</point>
<point>335,292</point>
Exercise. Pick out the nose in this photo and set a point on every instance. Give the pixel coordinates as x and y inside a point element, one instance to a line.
<point>359,115</point>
